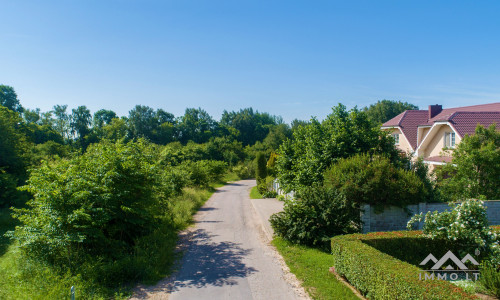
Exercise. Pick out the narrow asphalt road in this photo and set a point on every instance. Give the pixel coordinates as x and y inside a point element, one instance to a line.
<point>227,255</point>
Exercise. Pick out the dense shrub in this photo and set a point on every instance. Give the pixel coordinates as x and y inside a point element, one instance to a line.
<point>203,172</point>
<point>96,204</point>
<point>375,180</point>
<point>465,225</point>
<point>319,214</point>
<point>378,275</point>
<point>260,168</point>
<point>490,277</point>
<point>475,169</point>
<point>245,170</point>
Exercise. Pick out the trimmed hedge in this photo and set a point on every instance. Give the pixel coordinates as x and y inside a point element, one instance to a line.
<point>378,275</point>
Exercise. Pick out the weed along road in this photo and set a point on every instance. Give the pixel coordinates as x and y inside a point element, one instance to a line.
<point>227,255</point>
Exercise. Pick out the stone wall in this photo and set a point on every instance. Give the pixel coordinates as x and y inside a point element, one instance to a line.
<point>395,218</point>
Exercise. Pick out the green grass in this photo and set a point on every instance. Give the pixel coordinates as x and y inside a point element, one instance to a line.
<point>311,266</point>
<point>254,193</point>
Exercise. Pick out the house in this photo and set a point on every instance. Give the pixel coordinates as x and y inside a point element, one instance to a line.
<point>427,133</point>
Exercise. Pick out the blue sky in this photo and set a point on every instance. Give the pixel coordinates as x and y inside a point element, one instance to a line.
<point>296,59</point>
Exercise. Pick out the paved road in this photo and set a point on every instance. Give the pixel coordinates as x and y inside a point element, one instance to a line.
<point>228,255</point>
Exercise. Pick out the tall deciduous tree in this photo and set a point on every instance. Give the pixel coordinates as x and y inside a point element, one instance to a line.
<point>384,110</point>
<point>8,98</point>
<point>317,146</point>
<point>475,169</point>
<point>196,125</point>
<point>81,119</point>
<point>62,120</point>
<point>103,117</point>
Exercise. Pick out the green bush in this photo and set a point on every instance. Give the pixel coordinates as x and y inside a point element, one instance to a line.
<point>261,169</point>
<point>490,278</point>
<point>96,204</point>
<point>203,172</point>
<point>319,214</point>
<point>378,275</point>
<point>375,180</point>
<point>245,170</point>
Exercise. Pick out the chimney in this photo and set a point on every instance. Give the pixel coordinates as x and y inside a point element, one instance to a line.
<point>434,110</point>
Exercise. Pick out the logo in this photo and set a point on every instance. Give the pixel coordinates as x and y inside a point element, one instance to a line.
<point>449,272</point>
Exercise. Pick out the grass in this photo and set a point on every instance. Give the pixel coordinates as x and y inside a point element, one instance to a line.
<point>311,266</point>
<point>254,193</point>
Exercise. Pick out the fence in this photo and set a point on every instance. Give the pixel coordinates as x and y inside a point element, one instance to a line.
<point>395,218</point>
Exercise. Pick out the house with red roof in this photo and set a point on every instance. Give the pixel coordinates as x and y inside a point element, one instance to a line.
<point>429,133</point>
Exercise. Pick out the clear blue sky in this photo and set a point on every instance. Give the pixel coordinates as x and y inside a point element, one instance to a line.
<point>292,58</point>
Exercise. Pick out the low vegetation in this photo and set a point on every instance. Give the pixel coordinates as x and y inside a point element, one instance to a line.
<point>311,266</point>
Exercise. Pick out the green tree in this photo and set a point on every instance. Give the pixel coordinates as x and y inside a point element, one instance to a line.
<point>252,126</point>
<point>62,120</point>
<point>475,169</point>
<point>196,125</point>
<point>375,180</point>
<point>8,98</point>
<point>260,168</point>
<point>384,110</point>
<point>103,117</point>
<point>13,160</point>
<point>314,147</point>
<point>81,119</point>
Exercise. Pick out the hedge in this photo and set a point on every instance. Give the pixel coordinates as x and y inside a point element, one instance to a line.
<point>378,275</point>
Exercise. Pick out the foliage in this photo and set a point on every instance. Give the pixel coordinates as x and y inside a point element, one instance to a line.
<point>465,225</point>
<point>13,159</point>
<point>319,214</point>
<point>260,168</point>
<point>245,170</point>
<point>384,110</point>
<point>378,275</point>
<point>311,266</point>
<point>475,169</point>
<point>317,146</point>
<point>8,98</point>
<point>196,125</point>
<point>374,180</point>
<point>80,121</point>
<point>203,172</point>
<point>95,204</point>
<point>251,126</point>
<point>490,278</point>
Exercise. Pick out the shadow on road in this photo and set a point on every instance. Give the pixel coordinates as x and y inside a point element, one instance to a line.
<point>211,263</point>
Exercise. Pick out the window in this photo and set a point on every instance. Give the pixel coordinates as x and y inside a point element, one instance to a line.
<point>396,138</point>
<point>449,139</point>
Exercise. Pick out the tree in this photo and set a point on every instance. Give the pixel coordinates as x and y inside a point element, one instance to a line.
<point>196,125</point>
<point>13,160</point>
<point>81,119</point>
<point>62,120</point>
<point>260,168</point>
<point>8,98</point>
<point>103,117</point>
<point>314,147</point>
<point>32,115</point>
<point>384,110</point>
<point>475,169</point>
<point>252,126</point>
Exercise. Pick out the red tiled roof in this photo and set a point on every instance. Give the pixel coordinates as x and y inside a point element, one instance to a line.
<point>447,113</point>
<point>445,159</point>
<point>464,119</point>
<point>408,121</point>
<point>466,122</point>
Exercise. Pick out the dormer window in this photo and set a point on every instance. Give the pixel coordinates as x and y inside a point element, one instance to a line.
<point>396,138</point>
<point>449,140</point>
